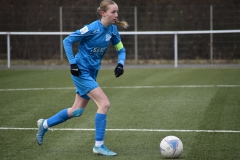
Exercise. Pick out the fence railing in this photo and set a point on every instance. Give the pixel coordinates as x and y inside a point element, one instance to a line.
<point>174,33</point>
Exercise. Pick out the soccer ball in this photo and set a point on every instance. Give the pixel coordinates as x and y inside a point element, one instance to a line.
<point>171,147</point>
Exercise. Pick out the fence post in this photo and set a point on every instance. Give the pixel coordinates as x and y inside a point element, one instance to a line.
<point>8,49</point>
<point>61,37</point>
<point>175,50</point>
<point>211,35</point>
<point>135,36</point>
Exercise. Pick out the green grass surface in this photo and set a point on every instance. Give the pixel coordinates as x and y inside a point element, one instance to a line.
<point>182,102</point>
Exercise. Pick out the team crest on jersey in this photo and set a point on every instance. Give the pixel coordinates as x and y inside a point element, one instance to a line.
<point>108,37</point>
<point>84,30</point>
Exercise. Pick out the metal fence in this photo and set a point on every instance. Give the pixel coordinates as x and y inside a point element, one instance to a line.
<point>175,33</point>
<point>153,46</point>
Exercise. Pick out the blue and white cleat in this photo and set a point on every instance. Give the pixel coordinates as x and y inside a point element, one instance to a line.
<point>103,150</point>
<point>41,131</point>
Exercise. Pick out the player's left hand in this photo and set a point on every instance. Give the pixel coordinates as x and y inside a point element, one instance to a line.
<point>118,70</point>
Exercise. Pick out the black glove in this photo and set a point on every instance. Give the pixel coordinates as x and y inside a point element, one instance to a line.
<point>75,70</point>
<point>119,70</point>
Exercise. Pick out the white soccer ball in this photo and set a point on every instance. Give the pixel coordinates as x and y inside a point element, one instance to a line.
<point>171,147</point>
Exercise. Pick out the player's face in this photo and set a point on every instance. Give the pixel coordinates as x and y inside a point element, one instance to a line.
<point>111,14</point>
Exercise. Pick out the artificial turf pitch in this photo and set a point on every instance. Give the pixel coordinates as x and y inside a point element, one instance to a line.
<point>201,106</point>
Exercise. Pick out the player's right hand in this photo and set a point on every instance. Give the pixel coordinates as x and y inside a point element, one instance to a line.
<point>75,70</point>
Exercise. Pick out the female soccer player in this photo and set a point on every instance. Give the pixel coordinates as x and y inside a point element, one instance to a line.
<point>93,42</point>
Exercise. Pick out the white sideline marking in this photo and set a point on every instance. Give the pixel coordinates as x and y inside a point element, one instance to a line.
<point>124,87</point>
<point>133,130</point>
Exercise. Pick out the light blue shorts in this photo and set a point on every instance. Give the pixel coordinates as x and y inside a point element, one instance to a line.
<point>85,82</point>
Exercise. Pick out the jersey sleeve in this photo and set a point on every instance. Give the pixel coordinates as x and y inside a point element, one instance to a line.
<point>117,43</point>
<point>77,36</point>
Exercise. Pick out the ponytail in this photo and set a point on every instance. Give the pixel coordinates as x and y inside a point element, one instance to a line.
<point>123,24</point>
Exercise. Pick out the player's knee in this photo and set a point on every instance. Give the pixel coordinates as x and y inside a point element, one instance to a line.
<point>78,112</point>
<point>106,105</point>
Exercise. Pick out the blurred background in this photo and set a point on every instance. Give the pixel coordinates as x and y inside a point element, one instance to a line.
<point>151,15</point>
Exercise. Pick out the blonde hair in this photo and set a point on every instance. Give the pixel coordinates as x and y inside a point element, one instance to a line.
<point>104,7</point>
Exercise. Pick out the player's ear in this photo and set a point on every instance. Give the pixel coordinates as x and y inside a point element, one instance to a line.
<point>102,13</point>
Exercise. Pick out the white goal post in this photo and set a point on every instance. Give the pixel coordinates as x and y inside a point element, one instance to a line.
<point>175,33</point>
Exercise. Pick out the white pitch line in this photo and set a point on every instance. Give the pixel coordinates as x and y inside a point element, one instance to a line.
<point>125,87</point>
<point>132,130</point>
<point>36,89</point>
<point>179,86</point>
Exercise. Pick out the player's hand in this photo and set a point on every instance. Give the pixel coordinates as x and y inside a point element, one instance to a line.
<point>75,70</point>
<point>118,70</point>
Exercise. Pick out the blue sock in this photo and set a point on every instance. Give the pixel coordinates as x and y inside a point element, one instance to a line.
<point>58,118</point>
<point>100,126</point>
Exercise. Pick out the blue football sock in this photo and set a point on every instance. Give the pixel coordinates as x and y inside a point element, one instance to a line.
<point>58,118</point>
<point>100,126</point>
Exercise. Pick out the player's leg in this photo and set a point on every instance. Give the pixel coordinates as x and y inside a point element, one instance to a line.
<point>75,111</point>
<point>99,97</point>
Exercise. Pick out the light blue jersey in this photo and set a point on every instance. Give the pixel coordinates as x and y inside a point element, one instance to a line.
<point>93,41</point>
